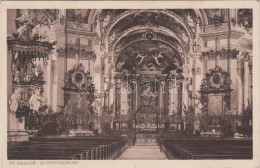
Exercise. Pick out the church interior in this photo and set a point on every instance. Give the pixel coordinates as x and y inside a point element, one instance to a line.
<point>105,84</point>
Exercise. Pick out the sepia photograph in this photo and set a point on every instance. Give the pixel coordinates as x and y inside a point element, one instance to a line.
<point>129,84</point>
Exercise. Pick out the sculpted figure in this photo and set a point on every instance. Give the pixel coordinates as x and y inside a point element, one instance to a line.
<point>140,56</point>
<point>185,38</point>
<point>35,101</point>
<point>16,74</point>
<point>156,59</point>
<point>106,21</point>
<point>13,100</point>
<point>79,98</point>
<point>190,21</point>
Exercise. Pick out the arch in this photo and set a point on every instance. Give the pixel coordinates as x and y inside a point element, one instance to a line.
<point>165,12</point>
<point>204,17</point>
<point>158,29</point>
<point>94,13</point>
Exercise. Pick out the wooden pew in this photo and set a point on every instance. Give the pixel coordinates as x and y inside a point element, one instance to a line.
<point>202,148</point>
<point>89,148</point>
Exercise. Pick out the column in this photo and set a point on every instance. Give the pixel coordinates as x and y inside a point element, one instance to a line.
<point>45,65</point>
<point>239,88</point>
<point>96,74</point>
<point>246,84</point>
<point>173,99</point>
<point>160,97</point>
<point>49,82</point>
<point>137,89</point>
<point>170,99</point>
<point>58,83</point>
<point>123,101</point>
<point>185,100</point>
<point>234,93</point>
<point>250,83</point>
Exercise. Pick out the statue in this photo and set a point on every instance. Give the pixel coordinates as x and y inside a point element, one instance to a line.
<point>120,65</point>
<point>15,69</point>
<point>190,21</point>
<point>185,38</point>
<point>106,21</point>
<point>180,49</point>
<point>16,74</point>
<point>79,98</point>
<point>112,37</point>
<point>35,101</point>
<point>156,58</point>
<point>13,101</point>
<point>140,56</point>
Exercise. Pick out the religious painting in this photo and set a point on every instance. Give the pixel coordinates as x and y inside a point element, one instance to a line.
<point>215,105</point>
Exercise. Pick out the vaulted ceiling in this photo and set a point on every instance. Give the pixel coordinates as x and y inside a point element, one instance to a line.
<point>150,32</point>
<point>128,32</point>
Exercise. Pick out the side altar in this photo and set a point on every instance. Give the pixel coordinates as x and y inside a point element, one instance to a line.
<point>78,114</point>
<point>215,98</point>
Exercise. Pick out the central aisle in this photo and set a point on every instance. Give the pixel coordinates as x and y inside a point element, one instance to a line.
<point>143,151</point>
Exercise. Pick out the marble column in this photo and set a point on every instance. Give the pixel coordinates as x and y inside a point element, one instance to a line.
<point>239,89</point>
<point>95,68</point>
<point>49,82</point>
<point>171,102</point>
<point>250,78</point>
<point>246,84</point>
<point>123,101</point>
<point>173,99</point>
<point>58,83</point>
<point>234,93</point>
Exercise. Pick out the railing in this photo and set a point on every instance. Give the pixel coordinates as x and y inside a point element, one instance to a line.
<point>34,121</point>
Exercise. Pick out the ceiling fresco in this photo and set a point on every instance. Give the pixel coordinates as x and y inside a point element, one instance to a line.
<point>142,35</point>
<point>176,27</point>
<point>150,19</point>
<point>130,18</point>
<point>146,18</point>
<point>148,55</point>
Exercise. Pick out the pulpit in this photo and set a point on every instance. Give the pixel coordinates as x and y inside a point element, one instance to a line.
<point>27,60</point>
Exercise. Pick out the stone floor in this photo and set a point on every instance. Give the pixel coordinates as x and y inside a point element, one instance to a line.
<point>143,151</point>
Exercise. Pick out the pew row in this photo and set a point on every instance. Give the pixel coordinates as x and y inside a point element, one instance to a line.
<point>68,148</point>
<point>199,148</point>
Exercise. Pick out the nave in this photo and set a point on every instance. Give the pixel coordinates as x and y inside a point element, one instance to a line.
<point>100,84</point>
